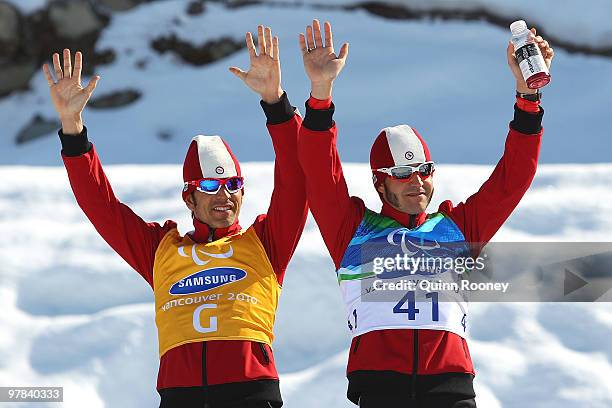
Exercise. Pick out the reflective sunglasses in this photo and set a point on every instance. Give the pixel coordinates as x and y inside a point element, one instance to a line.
<point>404,172</point>
<point>213,185</point>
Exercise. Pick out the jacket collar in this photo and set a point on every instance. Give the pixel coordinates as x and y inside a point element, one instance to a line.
<point>407,220</point>
<point>204,233</point>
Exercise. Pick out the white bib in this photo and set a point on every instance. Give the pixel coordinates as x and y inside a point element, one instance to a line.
<point>420,291</point>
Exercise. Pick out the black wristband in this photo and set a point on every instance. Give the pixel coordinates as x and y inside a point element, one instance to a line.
<point>319,119</point>
<point>535,97</point>
<point>75,145</point>
<point>278,112</point>
<point>527,122</point>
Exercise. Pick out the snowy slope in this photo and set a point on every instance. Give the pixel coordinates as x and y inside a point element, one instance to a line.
<point>75,315</point>
<point>573,21</point>
<point>399,71</point>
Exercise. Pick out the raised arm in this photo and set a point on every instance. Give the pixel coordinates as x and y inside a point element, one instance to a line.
<point>482,214</point>
<point>281,227</point>
<point>132,238</point>
<point>336,213</point>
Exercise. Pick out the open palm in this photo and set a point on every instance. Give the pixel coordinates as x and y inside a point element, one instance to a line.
<point>320,60</point>
<point>69,97</point>
<point>264,74</point>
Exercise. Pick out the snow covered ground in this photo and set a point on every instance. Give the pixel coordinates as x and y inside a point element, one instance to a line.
<point>415,72</point>
<point>75,315</point>
<point>573,21</point>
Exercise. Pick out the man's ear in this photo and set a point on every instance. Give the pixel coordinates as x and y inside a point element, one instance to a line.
<point>381,188</point>
<point>190,202</point>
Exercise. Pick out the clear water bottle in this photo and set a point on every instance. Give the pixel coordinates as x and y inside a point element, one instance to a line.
<point>528,55</point>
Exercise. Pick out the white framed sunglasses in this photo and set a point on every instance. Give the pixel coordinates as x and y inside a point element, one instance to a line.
<point>211,185</point>
<point>405,171</point>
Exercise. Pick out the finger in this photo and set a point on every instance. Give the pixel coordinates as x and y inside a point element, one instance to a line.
<point>250,45</point>
<point>261,40</point>
<point>343,51</point>
<point>78,66</point>
<point>93,82</point>
<point>56,65</point>
<point>549,57</point>
<point>269,45</point>
<point>543,45</point>
<point>309,40</point>
<point>48,75</point>
<point>67,64</point>
<point>532,34</point>
<point>329,41</point>
<point>275,55</point>
<point>317,33</point>
<point>238,72</point>
<point>302,41</point>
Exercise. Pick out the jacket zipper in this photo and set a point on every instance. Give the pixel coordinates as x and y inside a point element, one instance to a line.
<point>266,357</point>
<point>204,371</point>
<point>415,363</point>
<point>357,341</point>
<point>464,347</point>
<point>415,341</point>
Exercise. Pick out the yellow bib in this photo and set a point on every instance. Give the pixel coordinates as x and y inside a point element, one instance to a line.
<point>221,290</point>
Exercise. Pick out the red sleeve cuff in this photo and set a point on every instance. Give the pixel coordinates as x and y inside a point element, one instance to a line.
<point>319,104</point>
<point>527,106</point>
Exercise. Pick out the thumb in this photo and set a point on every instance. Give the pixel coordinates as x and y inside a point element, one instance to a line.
<point>510,53</point>
<point>238,72</point>
<point>343,51</point>
<point>93,82</point>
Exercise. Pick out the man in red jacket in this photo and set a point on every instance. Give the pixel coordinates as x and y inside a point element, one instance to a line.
<point>403,355</point>
<point>217,287</point>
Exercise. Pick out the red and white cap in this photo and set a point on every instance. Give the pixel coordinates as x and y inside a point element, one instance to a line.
<point>396,146</point>
<point>208,157</point>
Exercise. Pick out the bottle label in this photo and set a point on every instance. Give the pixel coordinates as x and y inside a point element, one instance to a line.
<point>530,60</point>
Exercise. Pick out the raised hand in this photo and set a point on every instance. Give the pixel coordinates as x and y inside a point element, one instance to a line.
<point>264,75</point>
<point>67,94</point>
<point>547,53</point>
<point>321,63</point>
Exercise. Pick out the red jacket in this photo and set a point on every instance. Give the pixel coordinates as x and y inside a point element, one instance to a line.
<point>213,362</point>
<point>404,351</point>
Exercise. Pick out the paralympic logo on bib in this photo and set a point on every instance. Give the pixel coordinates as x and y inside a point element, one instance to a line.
<point>207,279</point>
<point>405,241</point>
<point>196,259</point>
<point>413,256</point>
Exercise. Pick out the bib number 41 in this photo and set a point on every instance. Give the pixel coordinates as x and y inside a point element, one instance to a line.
<point>409,299</point>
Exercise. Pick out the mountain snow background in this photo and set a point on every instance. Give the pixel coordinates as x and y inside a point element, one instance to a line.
<point>73,314</point>
<point>448,79</point>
